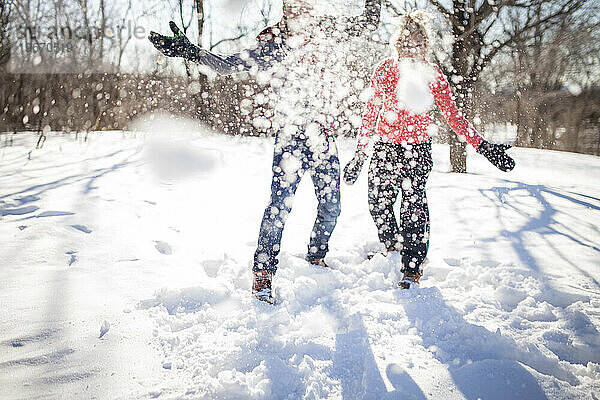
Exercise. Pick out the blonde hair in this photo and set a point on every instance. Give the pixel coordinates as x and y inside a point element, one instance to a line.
<point>413,21</point>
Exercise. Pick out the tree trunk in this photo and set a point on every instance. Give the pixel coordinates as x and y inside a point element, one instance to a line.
<point>521,140</point>
<point>202,103</point>
<point>460,64</point>
<point>200,13</point>
<point>458,156</point>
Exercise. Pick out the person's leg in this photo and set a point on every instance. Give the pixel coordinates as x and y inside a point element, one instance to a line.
<point>325,173</point>
<point>414,212</point>
<point>287,172</point>
<point>384,181</point>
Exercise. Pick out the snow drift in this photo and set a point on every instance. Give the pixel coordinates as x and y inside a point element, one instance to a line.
<point>93,241</point>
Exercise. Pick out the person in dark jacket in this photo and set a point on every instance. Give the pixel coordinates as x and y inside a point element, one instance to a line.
<point>302,59</point>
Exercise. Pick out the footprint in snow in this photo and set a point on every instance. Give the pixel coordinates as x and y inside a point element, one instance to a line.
<point>211,267</point>
<point>18,211</point>
<point>82,228</point>
<point>104,328</point>
<point>53,214</point>
<point>73,257</point>
<point>163,247</point>
<point>27,199</point>
<point>32,338</point>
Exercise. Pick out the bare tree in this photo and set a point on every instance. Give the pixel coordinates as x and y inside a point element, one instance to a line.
<point>6,8</point>
<point>481,30</point>
<point>553,73</point>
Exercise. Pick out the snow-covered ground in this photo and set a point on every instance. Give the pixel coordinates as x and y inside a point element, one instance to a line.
<point>150,241</point>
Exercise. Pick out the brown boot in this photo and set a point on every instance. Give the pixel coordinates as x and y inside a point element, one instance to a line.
<point>409,278</point>
<point>261,286</point>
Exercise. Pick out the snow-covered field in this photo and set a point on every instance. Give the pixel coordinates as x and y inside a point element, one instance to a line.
<point>150,241</point>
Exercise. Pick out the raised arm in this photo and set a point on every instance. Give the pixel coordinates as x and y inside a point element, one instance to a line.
<point>262,57</point>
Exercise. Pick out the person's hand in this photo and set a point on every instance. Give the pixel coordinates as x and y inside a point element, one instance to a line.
<point>496,154</point>
<point>175,46</point>
<point>352,169</point>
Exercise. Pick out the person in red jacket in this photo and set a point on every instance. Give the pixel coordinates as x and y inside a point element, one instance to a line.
<point>404,89</point>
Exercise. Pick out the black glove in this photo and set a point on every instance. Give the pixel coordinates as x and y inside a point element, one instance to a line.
<point>352,169</point>
<point>175,46</point>
<point>496,154</point>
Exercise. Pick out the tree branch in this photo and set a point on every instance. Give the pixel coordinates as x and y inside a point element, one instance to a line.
<point>473,21</point>
<point>389,4</point>
<point>568,7</point>
<point>446,13</point>
<point>233,39</point>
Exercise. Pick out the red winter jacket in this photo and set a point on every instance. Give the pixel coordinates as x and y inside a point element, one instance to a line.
<point>396,124</point>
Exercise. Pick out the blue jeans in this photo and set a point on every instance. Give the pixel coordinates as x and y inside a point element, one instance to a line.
<point>294,155</point>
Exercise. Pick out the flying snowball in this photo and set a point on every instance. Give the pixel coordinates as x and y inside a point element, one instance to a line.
<point>412,91</point>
